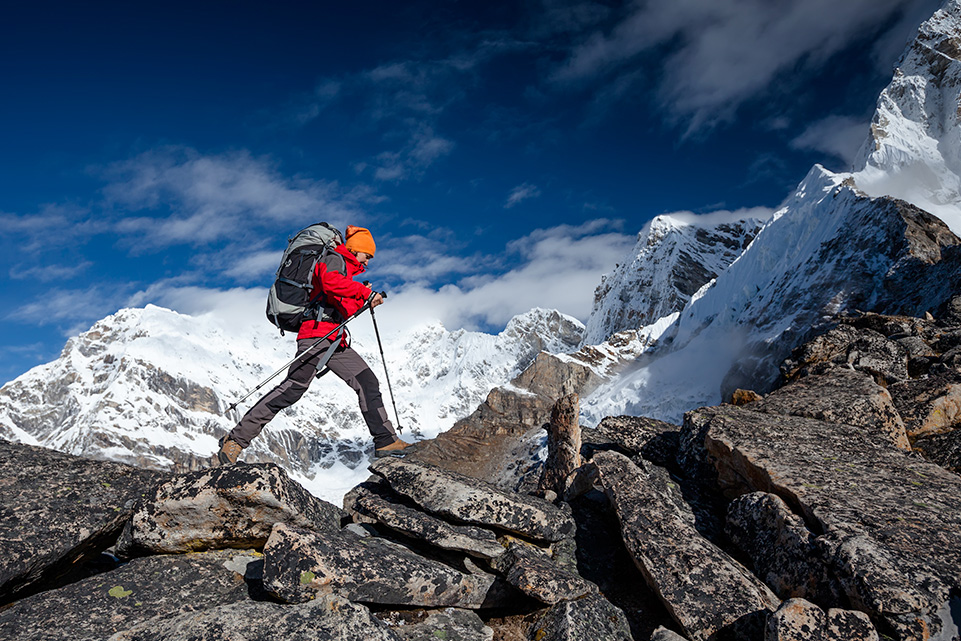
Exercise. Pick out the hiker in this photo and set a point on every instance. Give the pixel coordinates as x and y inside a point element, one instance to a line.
<point>339,297</point>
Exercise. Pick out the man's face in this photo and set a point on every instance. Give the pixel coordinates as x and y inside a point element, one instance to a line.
<point>362,258</point>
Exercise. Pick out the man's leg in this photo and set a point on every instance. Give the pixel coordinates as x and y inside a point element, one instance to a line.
<point>350,367</point>
<point>299,375</point>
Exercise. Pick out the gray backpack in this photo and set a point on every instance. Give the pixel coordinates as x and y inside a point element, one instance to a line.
<point>289,302</point>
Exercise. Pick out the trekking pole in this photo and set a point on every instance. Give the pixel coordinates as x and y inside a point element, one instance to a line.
<point>306,352</point>
<point>384,360</point>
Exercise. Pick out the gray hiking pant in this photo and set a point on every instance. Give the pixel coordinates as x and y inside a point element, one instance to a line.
<point>347,365</point>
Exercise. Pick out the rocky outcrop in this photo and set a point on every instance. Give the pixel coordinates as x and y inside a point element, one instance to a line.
<point>327,617</point>
<point>592,617</point>
<point>707,592</point>
<point>884,519</point>
<point>840,395</point>
<point>58,512</point>
<point>299,564</point>
<point>799,620</point>
<point>532,571</point>
<point>469,500</point>
<point>133,594</point>
<point>375,503</point>
<point>232,506</point>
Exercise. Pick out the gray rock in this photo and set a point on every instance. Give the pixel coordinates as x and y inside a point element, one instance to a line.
<point>58,511</point>
<point>663,634</point>
<point>705,590</point>
<point>328,617</point>
<point>840,395</point>
<point>373,503</point>
<point>638,435</point>
<point>942,449</point>
<point>783,551</point>
<point>470,500</point>
<point>891,531</point>
<point>300,564</point>
<point>144,588</point>
<point>449,624</point>
<point>592,617</point>
<point>799,620</point>
<point>532,572</point>
<point>826,348</point>
<point>929,405</point>
<point>221,507</point>
<point>878,356</point>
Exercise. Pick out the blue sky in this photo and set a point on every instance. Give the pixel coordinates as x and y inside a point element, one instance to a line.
<point>505,155</point>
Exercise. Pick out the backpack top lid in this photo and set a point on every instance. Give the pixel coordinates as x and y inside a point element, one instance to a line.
<point>289,296</point>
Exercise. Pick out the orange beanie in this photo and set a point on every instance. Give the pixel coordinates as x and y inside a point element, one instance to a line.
<point>360,240</point>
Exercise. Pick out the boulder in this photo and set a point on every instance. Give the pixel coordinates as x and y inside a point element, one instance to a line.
<point>650,438</point>
<point>663,634</point>
<point>888,522</point>
<point>136,592</point>
<point>799,620</point>
<point>840,395</point>
<point>300,564</point>
<point>373,502</point>
<point>59,511</point>
<point>706,591</point>
<point>942,449</point>
<point>327,617</point>
<point>782,550</point>
<point>592,617</point>
<point>532,572</point>
<point>221,507</point>
<point>473,501</point>
<point>863,349</point>
<point>449,624</point>
<point>929,405</point>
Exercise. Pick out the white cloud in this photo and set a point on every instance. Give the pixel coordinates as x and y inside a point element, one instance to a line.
<point>840,136</point>
<point>521,193</point>
<point>195,199</point>
<point>50,273</point>
<point>716,55</point>
<point>423,148</point>
<point>558,269</point>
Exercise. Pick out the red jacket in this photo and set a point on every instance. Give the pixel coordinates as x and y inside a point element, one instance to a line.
<point>340,292</point>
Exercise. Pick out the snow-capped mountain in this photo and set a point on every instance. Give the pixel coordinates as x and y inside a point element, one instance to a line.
<point>673,258</point>
<point>150,386</point>
<point>913,151</point>
<point>841,242</point>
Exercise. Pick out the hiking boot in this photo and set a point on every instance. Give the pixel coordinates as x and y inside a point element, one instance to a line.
<point>229,451</point>
<point>395,448</point>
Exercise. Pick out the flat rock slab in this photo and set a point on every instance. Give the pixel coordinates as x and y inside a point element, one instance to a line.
<point>592,617</point>
<point>329,617</point>
<point>300,564</point>
<point>372,502</point>
<point>221,507</point>
<point>102,605</point>
<point>470,500</point>
<point>58,511</point>
<point>449,624</point>
<point>706,591</point>
<point>840,395</point>
<point>535,574</point>
<point>783,552</point>
<point>888,521</point>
